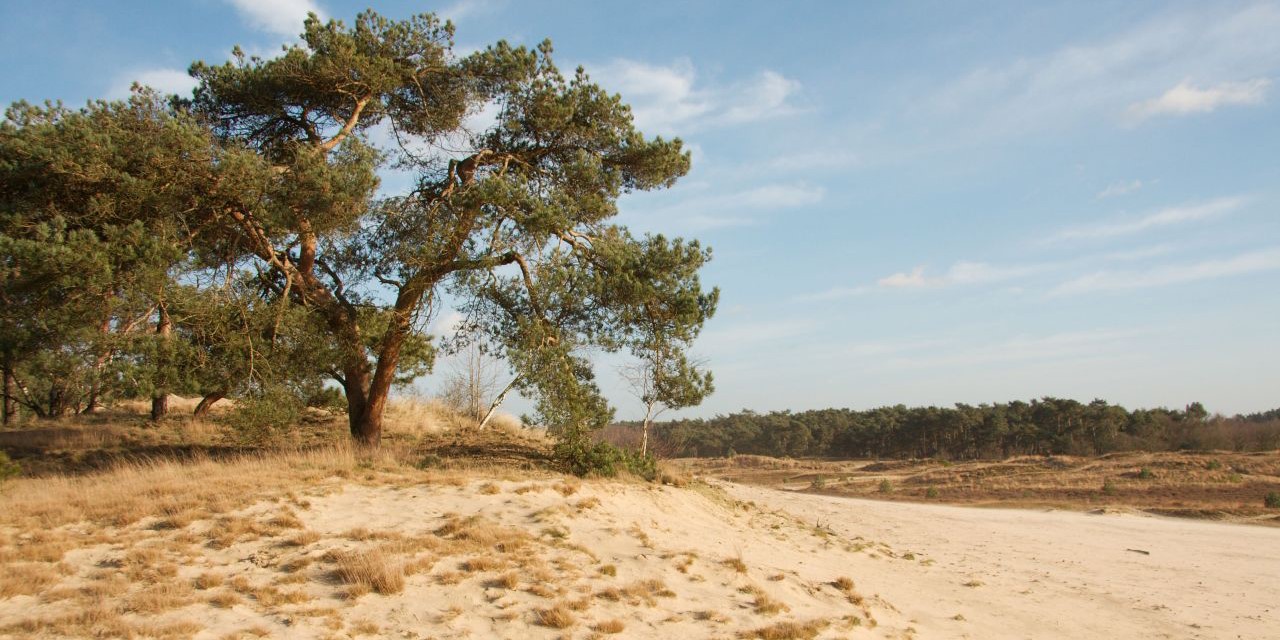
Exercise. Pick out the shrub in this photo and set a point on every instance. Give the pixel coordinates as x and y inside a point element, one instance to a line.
<point>330,398</point>
<point>584,457</point>
<point>1109,488</point>
<point>1272,500</point>
<point>1214,465</point>
<point>931,493</point>
<point>885,486</point>
<point>8,468</point>
<point>818,483</point>
<point>265,416</point>
<point>1145,473</point>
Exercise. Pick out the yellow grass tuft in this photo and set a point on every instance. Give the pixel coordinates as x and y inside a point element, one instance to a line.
<point>370,570</point>
<point>556,617</point>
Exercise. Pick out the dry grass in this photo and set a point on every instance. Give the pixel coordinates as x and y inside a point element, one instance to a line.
<point>736,563</point>
<point>368,571</point>
<point>558,616</point>
<point>609,626</point>
<point>26,578</point>
<point>788,631</point>
<point>1216,485</point>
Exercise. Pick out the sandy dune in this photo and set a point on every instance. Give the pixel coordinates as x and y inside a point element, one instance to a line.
<point>1055,574</point>
<point>465,556</point>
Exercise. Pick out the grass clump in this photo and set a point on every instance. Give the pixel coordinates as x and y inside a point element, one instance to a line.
<point>1272,500</point>
<point>788,631</point>
<point>609,626</point>
<point>556,617</point>
<point>369,571</point>
<point>885,486</point>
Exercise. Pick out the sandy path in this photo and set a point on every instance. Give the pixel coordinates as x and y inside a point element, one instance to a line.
<point>1041,574</point>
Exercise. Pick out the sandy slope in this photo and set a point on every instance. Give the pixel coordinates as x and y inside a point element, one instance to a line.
<point>493,558</point>
<point>1055,574</point>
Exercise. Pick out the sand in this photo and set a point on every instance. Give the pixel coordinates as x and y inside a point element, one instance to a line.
<point>557,558</point>
<point>1055,574</point>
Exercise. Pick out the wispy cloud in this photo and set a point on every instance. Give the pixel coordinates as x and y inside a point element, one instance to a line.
<point>468,8</point>
<point>1186,98</point>
<point>1165,275</point>
<point>1163,218</point>
<point>961,273</point>
<point>1105,77</point>
<point>669,99</point>
<point>175,81</point>
<point>737,209</point>
<point>280,17</point>
<point>1120,189</point>
<point>1042,348</point>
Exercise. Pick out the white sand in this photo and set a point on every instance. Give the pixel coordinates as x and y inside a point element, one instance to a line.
<point>1056,574</point>
<point>922,571</point>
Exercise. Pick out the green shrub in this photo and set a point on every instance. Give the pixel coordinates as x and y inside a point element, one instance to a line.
<point>8,468</point>
<point>262,418</point>
<point>1109,488</point>
<point>584,457</point>
<point>886,486</point>
<point>331,398</point>
<point>1214,465</point>
<point>931,493</point>
<point>1145,473</point>
<point>819,482</point>
<point>1272,500</point>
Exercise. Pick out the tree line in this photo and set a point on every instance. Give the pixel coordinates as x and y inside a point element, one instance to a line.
<point>986,431</point>
<point>234,243</point>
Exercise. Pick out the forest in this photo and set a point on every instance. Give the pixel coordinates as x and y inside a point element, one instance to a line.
<point>964,432</point>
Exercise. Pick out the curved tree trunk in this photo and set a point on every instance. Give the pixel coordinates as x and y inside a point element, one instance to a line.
<point>206,403</point>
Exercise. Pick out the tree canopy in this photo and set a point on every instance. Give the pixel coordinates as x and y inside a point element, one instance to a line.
<point>259,198</point>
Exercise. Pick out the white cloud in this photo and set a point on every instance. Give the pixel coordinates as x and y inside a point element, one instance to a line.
<point>175,81</point>
<point>468,8</point>
<point>1091,80</point>
<point>668,99</point>
<point>1120,189</point>
<point>961,273</point>
<point>1185,98</point>
<point>1253,262</point>
<point>1056,346</point>
<point>1162,218</point>
<point>914,279</point>
<point>716,211</point>
<point>280,17</point>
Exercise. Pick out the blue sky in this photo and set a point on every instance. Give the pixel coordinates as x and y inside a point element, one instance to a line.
<point>909,202</point>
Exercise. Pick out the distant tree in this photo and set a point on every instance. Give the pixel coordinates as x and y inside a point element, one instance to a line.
<point>664,379</point>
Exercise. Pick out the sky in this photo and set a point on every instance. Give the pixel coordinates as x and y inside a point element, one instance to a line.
<point>908,202</point>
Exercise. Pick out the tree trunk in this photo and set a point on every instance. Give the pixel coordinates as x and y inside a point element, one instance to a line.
<point>206,403</point>
<point>10,393</point>
<point>497,402</point>
<point>160,399</point>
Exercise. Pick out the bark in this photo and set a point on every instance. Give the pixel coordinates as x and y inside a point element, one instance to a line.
<point>10,393</point>
<point>497,402</point>
<point>206,403</point>
<point>160,400</point>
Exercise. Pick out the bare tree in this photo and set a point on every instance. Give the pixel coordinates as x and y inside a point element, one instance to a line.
<point>664,379</point>
<point>472,386</point>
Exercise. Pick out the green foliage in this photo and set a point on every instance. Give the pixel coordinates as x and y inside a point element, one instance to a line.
<point>931,493</point>
<point>264,416</point>
<point>1213,465</point>
<point>1039,427</point>
<point>250,215</point>
<point>1272,500</point>
<point>885,486</point>
<point>585,457</point>
<point>1109,488</point>
<point>1145,473</point>
<point>8,468</point>
<point>330,398</point>
<point>818,482</point>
